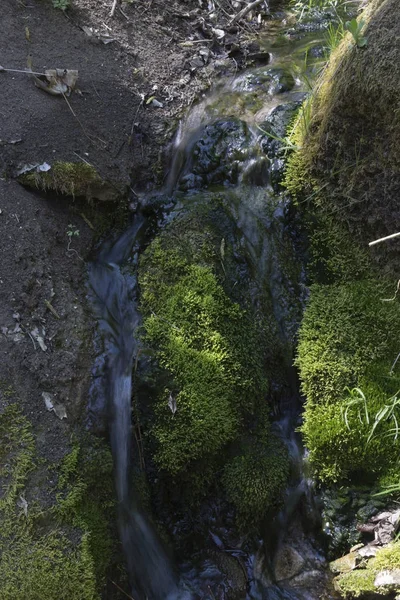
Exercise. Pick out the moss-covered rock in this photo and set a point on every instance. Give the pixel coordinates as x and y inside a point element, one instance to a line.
<point>217,353</point>
<point>50,549</point>
<point>207,344</point>
<point>71,179</point>
<point>367,581</point>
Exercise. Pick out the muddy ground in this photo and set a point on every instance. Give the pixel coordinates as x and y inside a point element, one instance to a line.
<point>46,328</point>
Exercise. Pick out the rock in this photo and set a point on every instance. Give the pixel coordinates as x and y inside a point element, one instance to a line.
<point>368,551</point>
<point>216,155</point>
<point>389,580</point>
<point>288,563</point>
<point>273,80</point>
<point>308,579</point>
<point>345,564</point>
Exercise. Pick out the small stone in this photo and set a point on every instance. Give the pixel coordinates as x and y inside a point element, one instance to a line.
<point>388,579</point>
<point>288,563</point>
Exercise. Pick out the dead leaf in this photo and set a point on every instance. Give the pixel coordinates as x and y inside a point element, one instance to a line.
<point>172,404</point>
<point>39,338</point>
<point>27,34</point>
<point>58,408</point>
<point>57,82</point>
<point>22,503</point>
<point>48,400</point>
<point>43,168</point>
<point>105,38</point>
<point>60,411</point>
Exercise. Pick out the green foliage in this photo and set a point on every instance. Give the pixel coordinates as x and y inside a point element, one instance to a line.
<point>61,4</point>
<point>356,583</point>
<point>356,28</point>
<point>17,449</point>
<point>255,479</point>
<point>207,345</point>
<point>86,500</point>
<point>346,339</point>
<point>37,561</point>
<point>46,568</point>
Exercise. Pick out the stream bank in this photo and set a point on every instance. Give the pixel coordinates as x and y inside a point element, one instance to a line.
<point>250,238</point>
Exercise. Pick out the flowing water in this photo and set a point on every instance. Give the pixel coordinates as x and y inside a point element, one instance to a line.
<point>246,172</point>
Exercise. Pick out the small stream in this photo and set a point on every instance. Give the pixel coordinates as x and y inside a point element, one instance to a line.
<point>219,149</point>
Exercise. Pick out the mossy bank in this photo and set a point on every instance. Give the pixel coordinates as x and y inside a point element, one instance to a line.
<point>344,177</point>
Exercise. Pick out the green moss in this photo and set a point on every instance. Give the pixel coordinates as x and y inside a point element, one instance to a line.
<point>86,500</point>
<point>255,479</point>
<point>52,551</point>
<point>71,179</point>
<point>198,334</point>
<point>346,339</point>
<point>356,583</point>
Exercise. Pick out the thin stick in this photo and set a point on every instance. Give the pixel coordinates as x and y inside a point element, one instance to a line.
<point>114,6</point>
<point>394,364</point>
<point>384,239</point>
<point>121,590</point>
<point>245,10</point>
<point>20,71</point>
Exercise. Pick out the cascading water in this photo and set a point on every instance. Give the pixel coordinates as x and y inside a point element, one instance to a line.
<point>224,126</point>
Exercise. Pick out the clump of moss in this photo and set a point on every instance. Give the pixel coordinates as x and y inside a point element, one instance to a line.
<point>346,339</point>
<point>71,179</point>
<point>356,583</point>
<point>255,479</point>
<point>201,338</point>
<point>86,500</point>
<point>40,558</point>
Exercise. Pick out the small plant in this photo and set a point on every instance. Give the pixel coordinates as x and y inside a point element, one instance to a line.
<point>356,28</point>
<point>61,4</point>
<point>72,231</point>
<point>387,413</point>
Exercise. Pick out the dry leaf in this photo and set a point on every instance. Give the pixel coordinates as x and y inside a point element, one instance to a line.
<point>57,82</point>
<point>105,38</point>
<point>22,503</point>
<point>39,338</point>
<point>172,404</point>
<point>27,34</point>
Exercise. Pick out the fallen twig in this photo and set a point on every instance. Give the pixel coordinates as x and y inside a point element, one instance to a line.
<point>242,13</point>
<point>3,70</point>
<point>52,309</point>
<point>384,239</point>
<point>114,6</point>
<point>121,590</point>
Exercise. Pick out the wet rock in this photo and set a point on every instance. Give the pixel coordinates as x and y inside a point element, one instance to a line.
<point>273,80</point>
<point>309,580</point>
<point>288,563</point>
<point>217,154</point>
